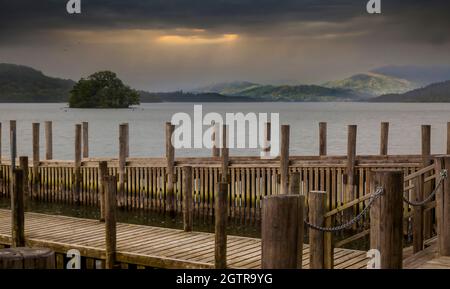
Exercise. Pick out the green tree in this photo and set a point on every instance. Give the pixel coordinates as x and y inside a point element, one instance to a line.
<point>102,90</point>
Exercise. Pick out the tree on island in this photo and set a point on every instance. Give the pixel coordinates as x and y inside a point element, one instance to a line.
<point>102,90</point>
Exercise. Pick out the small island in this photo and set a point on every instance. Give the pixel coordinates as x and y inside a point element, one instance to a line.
<point>102,89</point>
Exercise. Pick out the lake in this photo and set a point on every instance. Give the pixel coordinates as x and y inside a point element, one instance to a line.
<point>147,126</point>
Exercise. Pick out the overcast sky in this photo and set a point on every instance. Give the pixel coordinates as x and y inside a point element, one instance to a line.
<point>181,44</point>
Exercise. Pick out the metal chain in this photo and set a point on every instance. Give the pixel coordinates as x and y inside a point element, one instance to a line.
<point>358,217</point>
<point>443,174</point>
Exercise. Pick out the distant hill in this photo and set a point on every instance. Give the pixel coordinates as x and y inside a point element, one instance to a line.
<point>372,84</point>
<point>180,96</point>
<point>227,88</point>
<point>437,92</point>
<point>421,75</point>
<point>24,84</point>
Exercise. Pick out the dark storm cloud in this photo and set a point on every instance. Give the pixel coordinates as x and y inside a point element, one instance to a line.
<point>414,20</point>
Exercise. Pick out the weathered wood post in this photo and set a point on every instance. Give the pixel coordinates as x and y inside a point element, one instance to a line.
<point>225,155</point>
<point>214,137</point>
<point>316,203</point>
<point>188,210</point>
<point>36,157</point>
<point>127,138</point>
<point>102,174</point>
<point>77,169</point>
<point>443,208</point>
<point>220,216</point>
<point>23,164</point>
<point>17,210</point>
<point>322,138</point>
<point>417,214</point>
<point>123,140</point>
<point>48,140</point>
<point>170,173</point>
<point>284,160</point>
<point>266,142</point>
<point>448,138</point>
<point>350,170</point>
<point>384,138</point>
<point>428,187</point>
<point>13,143</point>
<point>386,217</point>
<point>27,258</point>
<point>280,231</point>
<point>110,220</point>
<point>1,138</point>
<point>294,189</point>
<point>85,125</point>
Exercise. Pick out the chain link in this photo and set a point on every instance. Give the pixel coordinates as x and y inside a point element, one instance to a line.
<point>358,217</point>
<point>443,174</point>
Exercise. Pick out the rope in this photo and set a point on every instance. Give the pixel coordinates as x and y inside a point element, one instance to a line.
<point>443,174</point>
<point>358,217</point>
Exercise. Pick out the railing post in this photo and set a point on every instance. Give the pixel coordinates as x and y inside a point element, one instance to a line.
<point>170,160</point>
<point>214,137</point>
<point>36,157</point>
<point>225,155</point>
<point>220,215</point>
<point>294,189</point>
<point>384,138</point>
<point>23,164</point>
<point>322,138</point>
<point>316,204</point>
<point>443,208</point>
<point>417,196</point>
<point>102,174</point>
<point>280,231</point>
<point>85,139</point>
<point>386,217</point>
<point>110,220</point>
<point>284,160</point>
<point>350,170</point>
<point>48,140</point>
<point>122,162</point>
<point>448,138</point>
<point>266,142</point>
<point>188,209</point>
<point>77,171</point>
<point>428,187</point>
<point>17,210</point>
<point>13,143</point>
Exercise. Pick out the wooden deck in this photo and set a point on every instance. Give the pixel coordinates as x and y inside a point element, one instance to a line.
<point>427,258</point>
<point>150,246</point>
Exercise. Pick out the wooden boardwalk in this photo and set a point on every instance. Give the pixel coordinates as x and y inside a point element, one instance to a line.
<point>428,258</point>
<point>150,246</point>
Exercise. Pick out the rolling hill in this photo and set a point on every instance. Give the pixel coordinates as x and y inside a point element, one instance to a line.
<point>421,75</point>
<point>437,92</point>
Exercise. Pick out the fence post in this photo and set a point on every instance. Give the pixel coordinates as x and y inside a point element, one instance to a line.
<point>85,139</point>
<point>294,189</point>
<point>170,159</point>
<point>448,138</point>
<point>214,137</point>
<point>350,171</point>
<point>188,209</point>
<point>13,143</point>
<point>443,208</point>
<point>220,215</point>
<point>110,220</point>
<point>417,196</point>
<point>386,217</point>
<point>36,156</point>
<point>102,174</point>
<point>280,231</point>
<point>322,138</point>
<point>267,137</point>
<point>428,187</point>
<point>284,160</point>
<point>316,203</point>
<point>122,162</point>
<point>225,155</point>
<point>384,138</point>
<point>77,172</point>
<point>48,140</point>
<point>23,164</point>
<point>17,210</point>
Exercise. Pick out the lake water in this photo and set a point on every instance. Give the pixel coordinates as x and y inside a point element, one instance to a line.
<point>147,126</point>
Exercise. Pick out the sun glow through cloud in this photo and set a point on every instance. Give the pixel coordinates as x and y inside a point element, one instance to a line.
<point>196,39</point>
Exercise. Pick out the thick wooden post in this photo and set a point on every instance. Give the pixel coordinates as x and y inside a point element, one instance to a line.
<point>214,137</point>
<point>123,140</point>
<point>188,210</point>
<point>448,138</point>
<point>417,196</point>
<point>322,138</point>
<point>280,231</point>
<point>48,140</point>
<point>225,155</point>
<point>266,142</point>
<point>316,203</point>
<point>36,157</point>
<point>1,138</point>
<point>294,189</point>
<point>27,258</point>
<point>386,217</point>
<point>110,220</point>
<point>23,164</point>
<point>384,138</point>
<point>443,208</point>
<point>350,171</point>
<point>102,174</point>
<point>85,139</point>
<point>13,143</point>
<point>428,187</point>
<point>77,171</point>
<point>220,215</point>
<point>170,159</point>
<point>284,160</point>
<point>17,210</point>
<point>127,139</point>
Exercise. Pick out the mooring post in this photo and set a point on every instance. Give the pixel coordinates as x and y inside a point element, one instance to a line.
<point>13,143</point>
<point>77,169</point>
<point>322,138</point>
<point>17,210</point>
<point>280,231</point>
<point>85,125</point>
<point>122,162</point>
<point>170,173</point>
<point>417,214</point>
<point>188,210</point>
<point>214,137</point>
<point>294,189</point>
<point>225,155</point>
<point>284,160</point>
<point>110,220</point>
<point>23,164</point>
<point>267,137</point>
<point>428,187</point>
<point>316,203</point>
<point>36,157</point>
<point>384,138</point>
<point>220,215</point>
<point>102,174</point>
<point>350,170</point>
<point>48,140</point>
<point>386,217</point>
<point>127,139</point>
<point>443,208</point>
